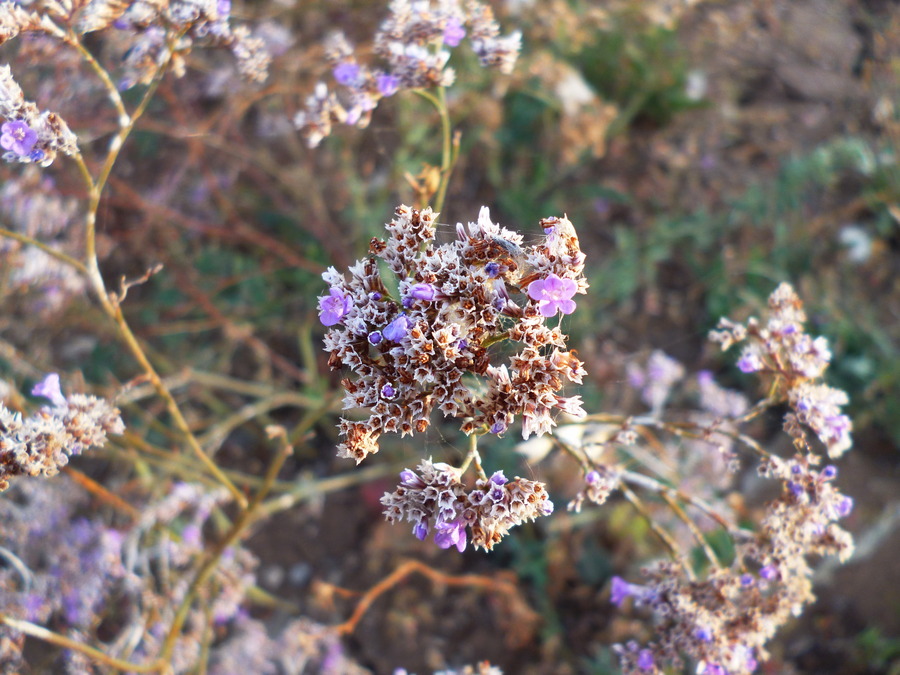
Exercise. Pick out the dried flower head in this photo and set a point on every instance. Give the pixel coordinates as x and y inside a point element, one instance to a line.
<point>42,443</point>
<point>30,135</point>
<point>430,343</point>
<point>782,350</point>
<point>414,45</point>
<point>433,498</point>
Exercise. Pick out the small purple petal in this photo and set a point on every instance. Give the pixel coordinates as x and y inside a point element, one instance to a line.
<point>346,73</point>
<point>769,573</point>
<point>645,660</point>
<point>375,337</point>
<point>454,33</point>
<point>49,388</point>
<point>425,292</point>
<point>397,329</point>
<point>497,478</point>
<point>844,507</point>
<point>334,307</point>
<point>388,85</point>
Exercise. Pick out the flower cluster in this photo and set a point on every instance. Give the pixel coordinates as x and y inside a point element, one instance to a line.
<point>599,485</point>
<point>30,135</point>
<point>414,43</point>
<point>428,344</point>
<point>723,621</point>
<point>42,443</point>
<point>153,24</point>
<point>56,563</point>
<point>782,349</point>
<point>434,499</point>
<point>656,380</point>
<point>30,204</point>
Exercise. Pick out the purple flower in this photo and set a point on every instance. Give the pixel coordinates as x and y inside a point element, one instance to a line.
<point>334,307</point>
<point>409,478</point>
<point>388,392</point>
<point>346,73</point>
<point>749,362</point>
<point>829,472</point>
<point>714,669</point>
<point>592,477</point>
<point>703,634</point>
<point>425,292</point>
<point>844,507</point>
<point>397,329</point>
<point>747,580</point>
<point>49,388</point>
<point>375,337</point>
<point>18,137</point>
<point>553,294</point>
<point>388,85</point>
<point>454,33</point>
<point>499,427</point>
<point>769,573</point>
<point>375,295</point>
<point>223,7</point>
<point>451,534</point>
<point>492,269</point>
<point>621,589</point>
<point>497,478</point>
<point>420,531</point>
<point>645,660</point>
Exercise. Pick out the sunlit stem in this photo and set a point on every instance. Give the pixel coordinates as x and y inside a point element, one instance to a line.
<point>473,456</point>
<point>449,143</point>
<point>660,533</point>
<point>92,269</point>
<point>41,633</point>
<point>53,253</point>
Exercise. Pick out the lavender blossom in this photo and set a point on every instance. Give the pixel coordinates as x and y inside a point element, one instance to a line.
<point>42,443</point>
<point>334,307</point>
<point>553,295</point>
<point>18,137</point>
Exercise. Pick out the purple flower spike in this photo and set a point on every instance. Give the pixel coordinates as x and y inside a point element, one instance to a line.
<point>335,307</point>
<point>454,33</point>
<point>553,295</point>
<point>388,85</point>
<point>346,73</point>
<point>18,137</point>
<point>397,329</point>
<point>49,388</point>
<point>425,292</point>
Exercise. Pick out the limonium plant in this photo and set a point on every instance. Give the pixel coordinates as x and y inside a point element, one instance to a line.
<point>468,332</point>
